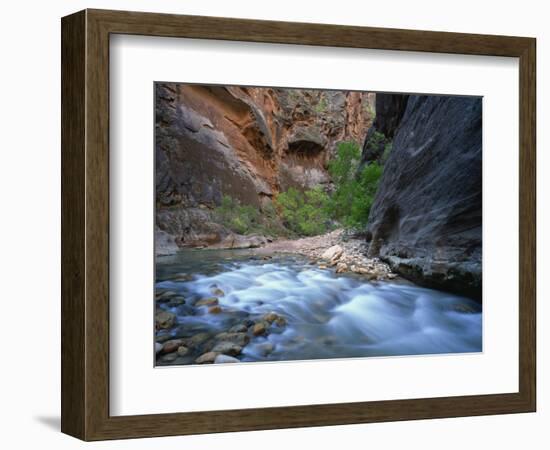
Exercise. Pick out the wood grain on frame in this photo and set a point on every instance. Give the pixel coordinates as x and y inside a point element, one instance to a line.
<point>85,224</point>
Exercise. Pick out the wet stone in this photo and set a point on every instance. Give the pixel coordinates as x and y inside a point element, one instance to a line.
<point>176,301</point>
<point>236,338</point>
<point>259,328</point>
<point>207,358</point>
<point>164,319</point>
<point>227,348</point>
<point>239,328</point>
<point>182,350</point>
<point>224,359</point>
<point>197,339</point>
<point>210,301</point>
<point>168,358</point>
<point>171,346</point>
<point>216,309</point>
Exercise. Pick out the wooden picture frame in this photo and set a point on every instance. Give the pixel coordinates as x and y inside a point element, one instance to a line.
<point>85,224</point>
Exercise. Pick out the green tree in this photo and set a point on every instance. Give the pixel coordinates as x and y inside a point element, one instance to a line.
<point>355,188</point>
<point>304,213</point>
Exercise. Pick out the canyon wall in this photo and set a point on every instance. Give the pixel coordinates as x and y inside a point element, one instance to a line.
<point>426,220</point>
<point>246,142</point>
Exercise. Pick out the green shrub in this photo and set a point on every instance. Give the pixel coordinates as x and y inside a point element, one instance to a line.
<point>247,219</point>
<point>354,192</point>
<point>321,105</point>
<point>311,212</point>
<point>304,213</point>
<point>242,219</point>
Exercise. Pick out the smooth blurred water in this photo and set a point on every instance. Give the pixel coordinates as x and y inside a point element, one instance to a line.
<point>328,315</point>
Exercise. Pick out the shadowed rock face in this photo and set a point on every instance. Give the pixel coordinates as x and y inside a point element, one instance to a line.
<point>426,218</point>
<point>249,143</point>
<point>389,112</point>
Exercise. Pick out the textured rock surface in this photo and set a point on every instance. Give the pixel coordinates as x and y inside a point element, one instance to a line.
<point>389,112</point>
<point>249,143</point>
<point>426,218</point>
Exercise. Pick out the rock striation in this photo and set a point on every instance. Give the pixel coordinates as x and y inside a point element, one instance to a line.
<point>426,220</point>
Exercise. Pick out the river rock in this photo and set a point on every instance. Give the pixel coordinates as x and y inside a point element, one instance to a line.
<point>210,301</point>
<point>426,218</point>
<point>227,348</point>
<point>265,348</point>
<point>217,292</point>
<point>341,267</point>
<point>164,296</point>
<point>182,350</point>
<point>168,358</point>
<point>197,339</point>
<point>171,346</point>
<point>333,253</point>
<point>270,317</point>
<point>207,358</point>
<point>239,328</point>
<point>216,309</point>
<point>176,301</point>
<point>158,347</point>
<point>183,277</point>
<point>240,339</point>
<point>237,241</point>
<point>259,328</point>
<point>164,319</point>
<point>224,359</point>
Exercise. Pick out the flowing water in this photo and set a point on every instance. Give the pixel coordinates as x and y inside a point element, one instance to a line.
<point>327,315</point>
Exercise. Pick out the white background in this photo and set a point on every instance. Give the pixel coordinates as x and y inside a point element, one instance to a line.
<point>139,388</point>
<point>30,237</point>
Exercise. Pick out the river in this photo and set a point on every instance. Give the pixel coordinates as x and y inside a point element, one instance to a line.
<point>326,315</point>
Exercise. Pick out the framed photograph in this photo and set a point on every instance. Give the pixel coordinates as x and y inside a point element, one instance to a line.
<point>273,225</point>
